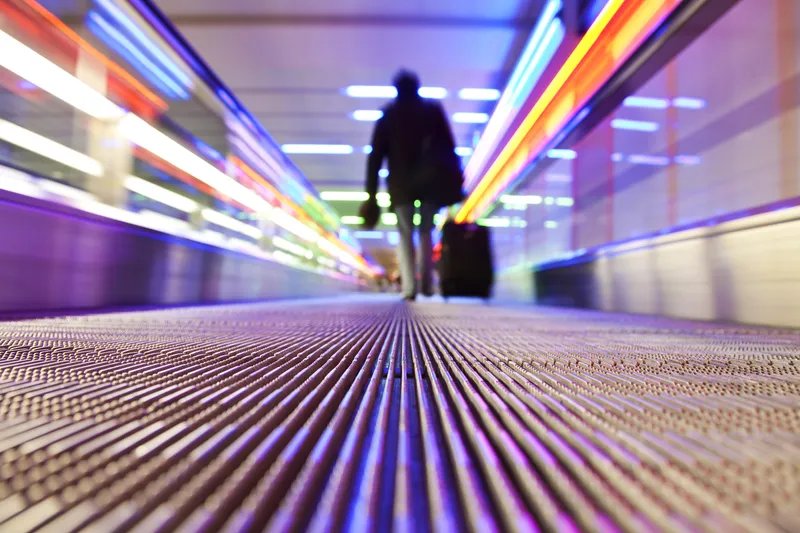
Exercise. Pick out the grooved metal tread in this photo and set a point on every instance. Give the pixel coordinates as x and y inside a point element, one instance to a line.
<point>372,415</point>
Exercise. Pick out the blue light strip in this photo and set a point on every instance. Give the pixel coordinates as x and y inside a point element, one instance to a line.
<point>150,11</point>
<point>528,59</point>
<point>542,45</point>
<point>117,14</point>
<point>120,44</point>
<point>552,38</point>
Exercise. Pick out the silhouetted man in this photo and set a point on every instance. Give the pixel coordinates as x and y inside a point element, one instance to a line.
<point>410,125</point>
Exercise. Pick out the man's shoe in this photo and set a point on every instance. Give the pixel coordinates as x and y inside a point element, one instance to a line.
<point>410,298</point>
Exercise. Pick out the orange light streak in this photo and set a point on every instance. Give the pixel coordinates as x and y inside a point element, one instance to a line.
<point>615,35</point>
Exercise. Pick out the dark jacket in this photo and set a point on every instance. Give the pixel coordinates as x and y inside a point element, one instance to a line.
<point>398,138</point>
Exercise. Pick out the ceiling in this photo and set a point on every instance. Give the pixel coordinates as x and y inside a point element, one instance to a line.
<point>289,62</point>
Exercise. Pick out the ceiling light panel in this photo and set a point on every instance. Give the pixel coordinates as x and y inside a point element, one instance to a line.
<point>470,118</point>
<point>325,149</point>
<point>387,91</point>
<point>485,95</point>
<point>367,115</point>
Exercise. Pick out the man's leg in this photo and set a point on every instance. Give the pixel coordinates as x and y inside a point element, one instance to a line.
<point>405,250</point>
<point>427,213</point>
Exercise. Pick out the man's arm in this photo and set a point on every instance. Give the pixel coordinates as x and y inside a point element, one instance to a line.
<point>444,127</point>
<point>379,152</point>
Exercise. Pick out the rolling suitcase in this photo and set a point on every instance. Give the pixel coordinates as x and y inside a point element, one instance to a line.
<point>465,266</point>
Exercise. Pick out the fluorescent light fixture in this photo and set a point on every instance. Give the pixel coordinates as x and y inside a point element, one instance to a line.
<point>689,103</point>
<point>549,200</point>
<point>368,235</point>
<point>435,93</point>
<point>495,222</point>
<point>33,142</point>
<point>33,67</point>
<point>118,42</point>
<point>470,118</point>
<point>617,157</point>
<point>389,219</point>
<point>160,194</point>
<point>143,134</point>
<point>486,95</point>
<point>291,247</point>
<point>687,159</point>
<point>116,13</point>
<point>367,149</point>
<point>383,173</point>
<point>370,91</point>
<point>646,102</point>
<point>550,224</point>
<point>635,125</point>
<point>386,91</point>
<point>565,201</point>
<point>558,153</point>
<point>367,115</point>
<point>344,196</point>
<point>324,149</point>
<point>463,151</point>
<point>532,199</point>
<point>352,220</point>
<point>655,160</point>
<point>222,220</point>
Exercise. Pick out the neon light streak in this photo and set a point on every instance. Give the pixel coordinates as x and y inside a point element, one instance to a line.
<point>119,43</point>
<point>593,61</point>
<point>33,142</point>
<point>43,73</point>
<point>117,14</point>
<point>541,47</point>
<point>160,194</point>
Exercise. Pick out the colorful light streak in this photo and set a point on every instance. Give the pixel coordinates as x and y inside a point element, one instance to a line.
<point>118,42</point>
<point>615,35</point>
<point>537,54</point>
<point>117,14</point>
<point>129,86</point>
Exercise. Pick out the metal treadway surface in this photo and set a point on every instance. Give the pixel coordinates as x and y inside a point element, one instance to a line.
<point>372,415</point>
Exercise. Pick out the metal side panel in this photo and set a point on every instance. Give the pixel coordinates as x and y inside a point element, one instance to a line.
<point>742,271</point>
<point>60,258</point>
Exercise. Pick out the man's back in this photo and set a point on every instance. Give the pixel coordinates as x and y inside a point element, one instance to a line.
<point>400,137</point>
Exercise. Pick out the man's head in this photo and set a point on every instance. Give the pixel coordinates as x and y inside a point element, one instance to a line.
<point>407,84</point>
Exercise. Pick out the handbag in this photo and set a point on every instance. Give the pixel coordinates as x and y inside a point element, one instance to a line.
<point>438,177</point>
<point>370,213</point>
